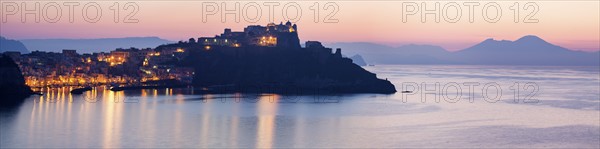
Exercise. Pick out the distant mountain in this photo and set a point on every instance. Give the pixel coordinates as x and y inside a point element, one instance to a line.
<point>528,50</point>
<point>93,45</point>
<point>12,45</point>
<point>407,54</point>
<point>358,60</point>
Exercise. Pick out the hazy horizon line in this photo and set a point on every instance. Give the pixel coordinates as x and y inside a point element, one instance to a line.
<point>387,44</point>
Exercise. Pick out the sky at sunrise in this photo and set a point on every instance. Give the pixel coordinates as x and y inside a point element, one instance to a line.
<point>574,25</point>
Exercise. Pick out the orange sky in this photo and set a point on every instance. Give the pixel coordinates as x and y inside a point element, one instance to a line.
<point>573,25</point>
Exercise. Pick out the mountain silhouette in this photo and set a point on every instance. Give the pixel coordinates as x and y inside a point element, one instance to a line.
<point>527,50</point>
<point>358,60</point>
<point>12,45</point>
<point>523,44</point>
<point>381,54</point>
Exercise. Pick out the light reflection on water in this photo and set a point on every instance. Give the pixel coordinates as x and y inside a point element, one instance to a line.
<point>568,115</point>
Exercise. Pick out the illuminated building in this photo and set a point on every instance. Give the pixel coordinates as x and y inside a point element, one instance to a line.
<point>117,58</point>
<point>272,35</point>
<point>269,41</point>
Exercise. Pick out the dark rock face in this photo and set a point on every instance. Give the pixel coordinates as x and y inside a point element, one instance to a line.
<point>288,40</point>
<point>12,83</point>
<point>285,70</point>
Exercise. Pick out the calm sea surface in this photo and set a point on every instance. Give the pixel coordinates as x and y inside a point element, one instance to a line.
<point>473,106</point>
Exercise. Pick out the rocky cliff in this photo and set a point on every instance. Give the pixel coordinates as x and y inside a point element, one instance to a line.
<point>12,83</point>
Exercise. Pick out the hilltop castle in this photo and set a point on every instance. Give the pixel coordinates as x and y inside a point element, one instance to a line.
<point>270,59</point>
<point>272,35</point>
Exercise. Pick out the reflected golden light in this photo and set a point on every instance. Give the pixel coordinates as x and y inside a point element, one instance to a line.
<point>112,118</point>
<point>144,93</point>
<point>267,110</point>
<point>179,99</point>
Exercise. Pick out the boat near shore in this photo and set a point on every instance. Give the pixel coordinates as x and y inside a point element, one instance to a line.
<point>81,90</point>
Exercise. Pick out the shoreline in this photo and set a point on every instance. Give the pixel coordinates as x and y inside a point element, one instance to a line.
<point>229,89</point>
